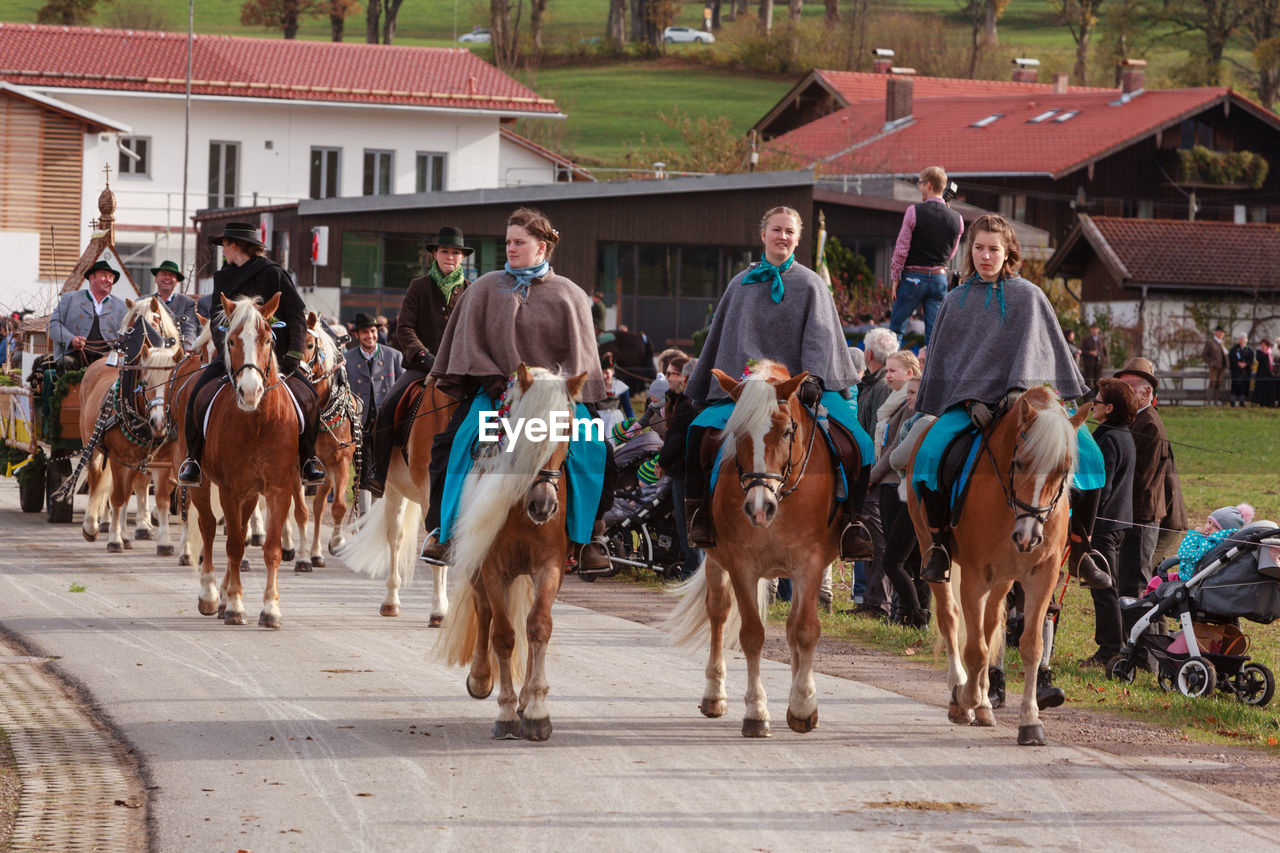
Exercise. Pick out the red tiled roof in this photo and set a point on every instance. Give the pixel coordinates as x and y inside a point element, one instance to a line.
<point>1173,252</point>
<point>854,140</point>
<point>128,60</point>
<point>579,173</point>
<point>856,86</point>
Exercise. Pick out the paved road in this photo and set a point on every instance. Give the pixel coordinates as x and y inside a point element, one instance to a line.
<point>339,733</point>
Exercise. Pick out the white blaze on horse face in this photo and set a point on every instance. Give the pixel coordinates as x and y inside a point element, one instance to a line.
<point>759,496</point>
<point>1028,532</point>
<point>249,387</point>
<point>156,407</point>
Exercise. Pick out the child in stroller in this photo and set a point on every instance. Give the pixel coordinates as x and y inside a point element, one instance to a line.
<point>640,526</point>
<point>1236,578</point>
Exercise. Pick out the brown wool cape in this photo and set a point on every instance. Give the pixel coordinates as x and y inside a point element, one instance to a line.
<point>491,331</point>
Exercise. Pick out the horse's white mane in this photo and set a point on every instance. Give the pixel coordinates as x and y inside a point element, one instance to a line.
<point>753,412</point>
<point>326,349</point>
<point>168,329</point>
<point>1049,440</point>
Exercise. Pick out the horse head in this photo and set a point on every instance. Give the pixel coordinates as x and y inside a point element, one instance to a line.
<point>537,395</point>
<point>249,349</point>
<point>762,431</point>
<point>1035,443</point>
<point>320,355</point>
<point>153,368</point>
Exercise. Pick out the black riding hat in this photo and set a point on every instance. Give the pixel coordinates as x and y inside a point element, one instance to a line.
<point>364,321</point>
<point>450,238</point>
<point>242,231</point>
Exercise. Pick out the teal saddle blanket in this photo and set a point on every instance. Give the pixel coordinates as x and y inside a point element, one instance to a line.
<point>716,415</point>
<point>584,467</point>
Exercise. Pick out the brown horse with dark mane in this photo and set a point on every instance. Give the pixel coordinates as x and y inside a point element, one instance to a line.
<point>1012,527</point>
<point>774,507</point>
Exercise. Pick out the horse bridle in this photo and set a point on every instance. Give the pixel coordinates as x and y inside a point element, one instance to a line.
<point>1039,513</point>
<point>234,376</point>
<point>548,476</point>
<point>749,480</point>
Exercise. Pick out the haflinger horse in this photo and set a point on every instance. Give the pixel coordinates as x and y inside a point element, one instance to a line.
<point>1012,527</point>
<point>774,509</point>
<point>130,395</point>
<point>251,449</point>
<point>383,543</point>
<point>509,545</point>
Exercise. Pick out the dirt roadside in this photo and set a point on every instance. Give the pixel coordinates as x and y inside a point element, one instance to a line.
<point>1244,774</point>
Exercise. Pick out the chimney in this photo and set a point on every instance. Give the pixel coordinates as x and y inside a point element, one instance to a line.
<point>897,96</point>
<point>1131,76</point>
<point>1060,83</point>
<point>1026,70</point>
<point>882,60</point>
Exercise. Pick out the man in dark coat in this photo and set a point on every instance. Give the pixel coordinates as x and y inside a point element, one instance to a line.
<point>182,308</point>
<point>1215,358</point>
<point>671,460</point>
<point>424,314</point>
<point>251,273</point>
<point>85,320</point>
<point>1241,363</point>
<point>1093,354</point>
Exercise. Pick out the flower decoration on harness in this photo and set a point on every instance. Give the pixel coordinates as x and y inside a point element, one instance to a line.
<point>751,368</point>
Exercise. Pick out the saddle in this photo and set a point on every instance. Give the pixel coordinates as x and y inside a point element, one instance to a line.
<point>956,471</point>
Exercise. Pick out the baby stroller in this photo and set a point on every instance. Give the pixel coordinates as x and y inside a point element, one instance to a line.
<point>1236,579</point>
<point>640,527</point>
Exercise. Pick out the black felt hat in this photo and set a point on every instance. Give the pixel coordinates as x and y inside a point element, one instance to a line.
<point>364,321</point>
<point>242,231</point>
<point>103,265</point>
<point>450,238</point>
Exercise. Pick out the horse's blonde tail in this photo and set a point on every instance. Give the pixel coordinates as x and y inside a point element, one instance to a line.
<point>461,629</point>
<point>520,595</point>
<point>369,539</point>
<point>690,625</point>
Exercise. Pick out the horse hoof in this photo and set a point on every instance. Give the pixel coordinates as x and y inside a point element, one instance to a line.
<point>302,566</point>
<point>714,707</point>
<point>244,565</point>
<point>535,730</point>
<point>756,728</point>
<point>1032,735</point>
<point>955,713</point>
<point>142,534</point>
<point>167,551</point>
<point>478,694</point>
<point>222,611</point>
<point>184,560</point>
<point>435,620</point>
<point>268,620</point>
<point>506,730</point>
<point>88,537</point>
<point>803,725</point>
<point>233,618</point>
<point>208,608</point>
<point>288,554</point>
<point>984,717</point>
<point>318,562</point>
<point>128,544</point>
<point>115,548</point>
<point>389,610</point>
<point>257,540</point>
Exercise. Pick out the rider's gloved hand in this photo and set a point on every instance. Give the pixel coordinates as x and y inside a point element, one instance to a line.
<point>979,413</point>
<point>810,391</point>
<point>1010,397</point>
<point>289,364</point>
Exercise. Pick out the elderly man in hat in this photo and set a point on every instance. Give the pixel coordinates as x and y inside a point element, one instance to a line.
<point>372,370</point>
<point>84,321</point>
<point>249,272</point>
<point>182,308</point>
<point>1215,358</point>
<point>1156,488</point>
<point>423,316</point>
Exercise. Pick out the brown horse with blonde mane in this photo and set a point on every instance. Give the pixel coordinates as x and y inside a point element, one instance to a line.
<point>509,547</point>
<point>774,507</point>
<point>1012,527</point>
<point>252,449</point>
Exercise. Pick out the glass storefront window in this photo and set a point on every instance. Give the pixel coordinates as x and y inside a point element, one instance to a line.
<point>361,259</point>
<point>655,269</point>
<point>699,271</point>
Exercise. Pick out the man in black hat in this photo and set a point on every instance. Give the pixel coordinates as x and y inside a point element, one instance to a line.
<point>1215,358</point>
<point>419,328</point>
<point>250,273</point>
<point>84,321</point>
<point>182,308</point>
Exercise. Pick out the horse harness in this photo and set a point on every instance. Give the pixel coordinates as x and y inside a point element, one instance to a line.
<point>748,480</point>
<point>1020,507</point>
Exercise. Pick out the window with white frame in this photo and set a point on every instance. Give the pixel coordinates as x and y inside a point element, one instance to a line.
<point>224,172</point>
<point>429,177</point>
<point>377,172</point>
<point>324,172</point>
<point>135,155</point>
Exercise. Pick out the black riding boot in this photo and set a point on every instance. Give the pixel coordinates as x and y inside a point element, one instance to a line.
<point>189,473</point>
<point>697,509</point>
<point>433,550</point>
<point>382,439</point>
<point>308,463</point>
<point>855,539</point>
<point>936,562</point>
<point>1082,560</point>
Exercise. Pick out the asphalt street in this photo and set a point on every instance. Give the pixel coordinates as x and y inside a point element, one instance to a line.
<point>339,732</point>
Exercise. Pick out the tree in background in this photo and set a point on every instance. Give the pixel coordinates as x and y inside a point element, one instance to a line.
<point>766,17</point>
<point>1260,35</point>
<point>285,14</point>
<point>710,145</point>
<point>616,29</point>
<point>339,11</point>
<point>136,15</point>
<point>982,16</point>
<point>504,32</point>
<point>537,9</point>
<point>68,13</point>
<point>1211,24</point>
<point>380,21</point>
<point>1081,18</point>
<point>832,15</point>
<point>795,9</point>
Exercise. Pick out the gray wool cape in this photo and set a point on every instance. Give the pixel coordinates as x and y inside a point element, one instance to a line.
<point>975,354</point>
<point>801,332</point>
<point>491,331</point>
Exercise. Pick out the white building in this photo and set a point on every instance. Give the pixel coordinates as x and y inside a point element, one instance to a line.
<point>271,121</point>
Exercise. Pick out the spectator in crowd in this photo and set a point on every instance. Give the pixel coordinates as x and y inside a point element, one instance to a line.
<point>859,370</point>
<point>615,408</point>
<point>679,413</point>
<point>598,312</point>
<point>1070,335</point>
<point>651,416</point>
<point>1241,363</point>
<point>181,308</point>
<point>880,344</point>
<point>1114,407</point>
<point>1215,358</point>
<point>1092,355</point>
<point>383,335</point>
<point>372,371</point>
<point>927,241</point>
<point>1264,383</point>
<point>9,341</point>
<point>1155,480</point>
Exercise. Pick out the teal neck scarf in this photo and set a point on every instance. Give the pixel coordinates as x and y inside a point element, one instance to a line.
<point>524,276</point>
<point>765,271</point>
<point>996,286</point>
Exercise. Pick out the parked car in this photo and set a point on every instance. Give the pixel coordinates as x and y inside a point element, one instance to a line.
<point>480,35</point>
<point>673,35</point>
